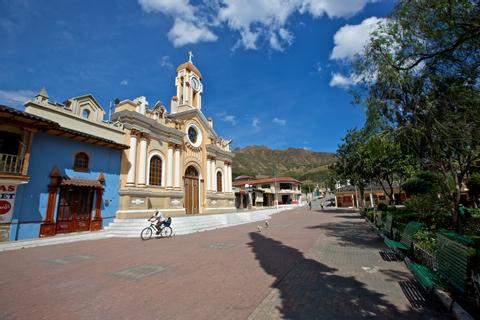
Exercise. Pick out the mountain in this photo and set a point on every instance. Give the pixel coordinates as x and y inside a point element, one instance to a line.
<point>301,164</point>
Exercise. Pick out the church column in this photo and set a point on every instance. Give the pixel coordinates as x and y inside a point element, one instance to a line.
<point>170,166</point>
<point>177,167</point>
<point>225,177</point>
<point>132,157</point>
<point>184,87</point>
<point>214,175</point>
<point>229,177</point>
<point>209,175</point>
<point>142,161</point>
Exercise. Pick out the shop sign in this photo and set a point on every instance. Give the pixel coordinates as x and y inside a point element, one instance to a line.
<point>7,200</point>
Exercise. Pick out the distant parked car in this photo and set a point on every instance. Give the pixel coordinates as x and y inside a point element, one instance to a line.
<point>330,203</point>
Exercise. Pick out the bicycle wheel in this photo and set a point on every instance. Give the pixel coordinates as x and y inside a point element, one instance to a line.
<point>146,233</point>
<point>166,232</point>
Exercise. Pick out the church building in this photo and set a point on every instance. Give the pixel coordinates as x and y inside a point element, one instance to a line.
<point>176,162</point>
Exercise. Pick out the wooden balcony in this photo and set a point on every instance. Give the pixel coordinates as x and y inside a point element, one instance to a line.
<point>11,163</point>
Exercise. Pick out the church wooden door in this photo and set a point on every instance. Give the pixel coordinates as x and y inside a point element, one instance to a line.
<point>191,190</point>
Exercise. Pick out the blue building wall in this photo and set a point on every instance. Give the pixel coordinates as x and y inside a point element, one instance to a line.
<point>46,153</point>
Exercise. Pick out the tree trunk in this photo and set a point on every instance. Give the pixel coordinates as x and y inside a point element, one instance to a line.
<point>457,217</point>
<point>362,197</point>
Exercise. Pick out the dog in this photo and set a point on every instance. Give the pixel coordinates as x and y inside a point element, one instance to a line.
<point>259,228</point>
<point>266,224</point>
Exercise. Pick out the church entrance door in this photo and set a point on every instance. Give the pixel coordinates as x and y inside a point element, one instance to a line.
<point>192,183</point>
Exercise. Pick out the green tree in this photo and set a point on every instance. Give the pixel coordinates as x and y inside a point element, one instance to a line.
<point>351,162</point>
<point>421,74</point>
<point>386,162</point>
<point>473,185</point>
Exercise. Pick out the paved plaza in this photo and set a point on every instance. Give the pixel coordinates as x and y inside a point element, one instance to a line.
<point>305,265</point>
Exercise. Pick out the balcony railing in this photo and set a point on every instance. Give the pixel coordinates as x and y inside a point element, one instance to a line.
<point>11,163</point>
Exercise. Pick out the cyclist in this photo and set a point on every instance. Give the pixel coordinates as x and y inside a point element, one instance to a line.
<point>159,218</point>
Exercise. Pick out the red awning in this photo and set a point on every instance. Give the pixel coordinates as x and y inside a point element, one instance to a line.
<point>76,182</point>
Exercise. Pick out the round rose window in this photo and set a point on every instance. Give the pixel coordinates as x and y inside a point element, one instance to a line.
<point>194,135</point>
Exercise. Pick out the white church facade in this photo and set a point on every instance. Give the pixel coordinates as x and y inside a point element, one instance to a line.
<point>176,162</point>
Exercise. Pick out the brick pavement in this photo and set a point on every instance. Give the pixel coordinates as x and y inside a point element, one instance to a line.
<point>307,265</point>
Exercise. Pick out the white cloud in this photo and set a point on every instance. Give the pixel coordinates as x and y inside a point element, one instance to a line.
<point>256,123</point>
<point>124,82</point>
<point>339,80</point>
<point>166,62</point>
<point>228,118</point>
<point>334,8</point>
<point>280,122</point>
<point>252,19</point>
<point>350,40</point>
<point>170,7</point>
<point>186,32</point>
<point>16,98</point>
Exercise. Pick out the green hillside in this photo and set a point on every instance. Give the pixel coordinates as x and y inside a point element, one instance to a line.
<point>301,164</point>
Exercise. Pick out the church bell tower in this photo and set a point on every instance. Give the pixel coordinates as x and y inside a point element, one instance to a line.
<point>189,87</point>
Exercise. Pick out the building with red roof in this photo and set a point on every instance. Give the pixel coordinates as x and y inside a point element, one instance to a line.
<point>266,192</point>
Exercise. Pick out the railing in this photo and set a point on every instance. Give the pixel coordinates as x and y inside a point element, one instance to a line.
<point>424,257</point>
<point>11,163</point>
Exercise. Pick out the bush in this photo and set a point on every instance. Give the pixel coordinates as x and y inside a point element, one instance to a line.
<point>431,210</point>
<point>382,207</point>
<point>424,182</point>
<point>426,239</point>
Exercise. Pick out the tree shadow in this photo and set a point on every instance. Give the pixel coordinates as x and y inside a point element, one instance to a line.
<point>307,289</point>
<point>351,233</point>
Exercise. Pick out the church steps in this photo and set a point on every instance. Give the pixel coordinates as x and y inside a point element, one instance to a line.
<point>192,224</point>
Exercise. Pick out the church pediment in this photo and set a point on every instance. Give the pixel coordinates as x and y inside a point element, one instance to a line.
<point>194,114</point>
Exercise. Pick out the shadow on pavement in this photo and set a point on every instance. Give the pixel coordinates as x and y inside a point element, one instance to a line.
<point>308,289</point>
<point>350,234</point>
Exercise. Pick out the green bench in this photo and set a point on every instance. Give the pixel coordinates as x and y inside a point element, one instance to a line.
<point>451,263</point>
<point>406,240</point>
<point>386,229</point>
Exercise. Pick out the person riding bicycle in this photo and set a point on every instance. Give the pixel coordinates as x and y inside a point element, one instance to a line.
<point>159,218</point>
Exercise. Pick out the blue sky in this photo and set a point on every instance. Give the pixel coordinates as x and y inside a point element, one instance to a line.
<point>275,71</point>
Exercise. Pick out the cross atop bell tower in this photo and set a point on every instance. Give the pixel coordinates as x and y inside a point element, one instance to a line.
<point>189,87</point>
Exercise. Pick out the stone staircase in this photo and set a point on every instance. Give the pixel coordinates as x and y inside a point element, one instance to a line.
<point>131,228</point>
<point>192,224</point>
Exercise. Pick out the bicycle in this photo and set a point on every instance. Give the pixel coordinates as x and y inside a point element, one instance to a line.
<point>164,231</point>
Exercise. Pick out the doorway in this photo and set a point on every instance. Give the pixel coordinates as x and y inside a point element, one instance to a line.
<point>192,183</point>
<point>74,211</point>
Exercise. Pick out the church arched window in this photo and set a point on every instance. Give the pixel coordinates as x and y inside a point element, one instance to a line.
<point>219,181</point>
<point>155,177</point>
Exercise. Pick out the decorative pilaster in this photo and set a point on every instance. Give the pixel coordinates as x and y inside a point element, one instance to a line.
<point>170,166</point>
<point>225,177</point>
<point>214,175</point>
<point>142,161</point>
<point>177,167</point>
<point>230,178</point>
<point>132,158</point>
<point>47,228</point>
<point>209,175</point>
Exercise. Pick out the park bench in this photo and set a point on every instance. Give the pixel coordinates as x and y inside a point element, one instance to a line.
<point>386,229</point>
<point>451,263</point>
<point>406,240</point>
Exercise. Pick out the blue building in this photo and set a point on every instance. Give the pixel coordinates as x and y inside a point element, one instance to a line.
<point>74,170</point>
